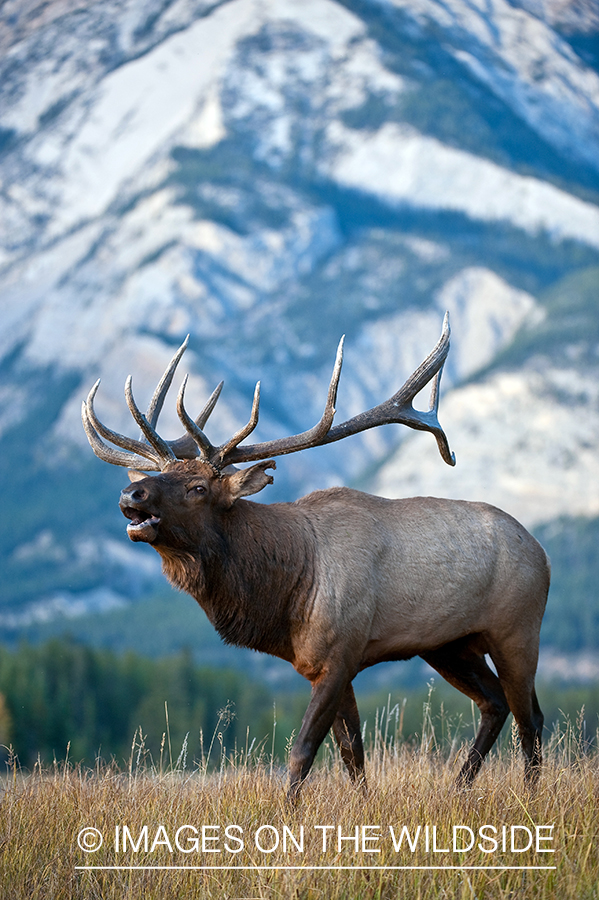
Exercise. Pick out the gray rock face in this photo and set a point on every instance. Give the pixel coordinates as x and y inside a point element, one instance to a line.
<point>266,175</point>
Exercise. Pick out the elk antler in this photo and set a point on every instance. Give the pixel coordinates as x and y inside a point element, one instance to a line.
<point>156,454</point>
<point>161,453</point>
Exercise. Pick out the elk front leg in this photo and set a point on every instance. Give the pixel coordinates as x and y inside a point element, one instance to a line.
<point>346,728</point>
<point>327,694</point>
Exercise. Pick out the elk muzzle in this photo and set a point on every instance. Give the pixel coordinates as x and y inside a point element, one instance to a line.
<point>143,524</point>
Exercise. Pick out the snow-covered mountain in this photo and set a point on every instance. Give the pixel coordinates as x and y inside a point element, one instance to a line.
<point>266,175</point>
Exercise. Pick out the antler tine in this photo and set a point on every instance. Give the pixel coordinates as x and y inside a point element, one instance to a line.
<point>398,409</point>
<point>225,449</point>
<point>432,365</point>
<point>157,401</point>
<point>317,434</point>
<point>311,438</point>
<point>433,405</point>
<point>330,410</point>
<point>94,428</point>
<point>161,447</point>
<point>209,406</point>
<point>185,447</point>
<point>207,450</point>
<point>428,421</point>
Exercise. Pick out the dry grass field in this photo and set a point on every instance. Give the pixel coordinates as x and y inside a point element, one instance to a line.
<point>174,830</point>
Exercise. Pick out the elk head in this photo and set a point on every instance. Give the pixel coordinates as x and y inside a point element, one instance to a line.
<point>196,474</point>
<point>162,509</point>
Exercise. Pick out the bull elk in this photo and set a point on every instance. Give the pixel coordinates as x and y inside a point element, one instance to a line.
<point>340,580</point>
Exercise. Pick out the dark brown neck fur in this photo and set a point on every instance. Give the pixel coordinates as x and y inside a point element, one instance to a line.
<point>251,572</point>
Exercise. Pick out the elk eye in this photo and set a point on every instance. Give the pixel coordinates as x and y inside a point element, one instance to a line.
<point>198,489</point>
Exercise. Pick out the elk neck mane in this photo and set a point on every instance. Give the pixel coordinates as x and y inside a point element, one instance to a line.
<point>252,572</point>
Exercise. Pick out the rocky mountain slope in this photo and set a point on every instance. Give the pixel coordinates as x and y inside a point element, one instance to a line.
<point>267,175</point>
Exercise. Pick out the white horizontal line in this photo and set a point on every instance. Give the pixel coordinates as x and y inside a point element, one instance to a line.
<point>310,868</point>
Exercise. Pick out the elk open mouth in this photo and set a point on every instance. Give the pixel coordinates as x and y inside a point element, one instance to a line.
<point>143,526</point>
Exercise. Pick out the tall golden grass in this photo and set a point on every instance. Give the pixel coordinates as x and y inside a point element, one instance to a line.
<point>44,812</point>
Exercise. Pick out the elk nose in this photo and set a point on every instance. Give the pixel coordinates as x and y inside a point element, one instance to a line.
<point>133,495</point>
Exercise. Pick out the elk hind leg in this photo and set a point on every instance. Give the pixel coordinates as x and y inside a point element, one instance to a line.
<point>467,671</point>
<point>517,679</point>
<point>533,752</point>
<point>346,729</point>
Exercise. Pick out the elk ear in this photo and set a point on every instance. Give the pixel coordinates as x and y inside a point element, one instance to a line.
<point>249,481</point>
<point>136,475</point>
